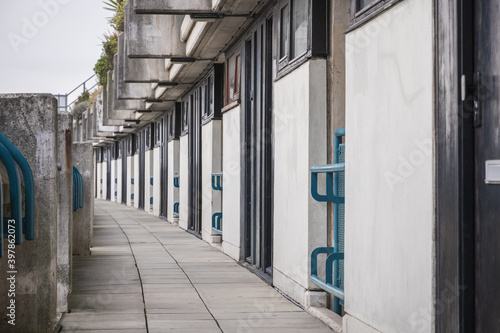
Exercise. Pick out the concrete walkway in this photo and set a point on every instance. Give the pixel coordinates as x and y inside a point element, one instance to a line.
<point>146,275</point>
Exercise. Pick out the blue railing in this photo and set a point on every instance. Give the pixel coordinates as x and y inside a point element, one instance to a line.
<point>334,271</point>
<point>176,209</point>
<point>217,222</point>
<point>217,217</point>
<point>12,158</point>
<point>217,181</point>
<point>77,189</point>
<point>176,180</point>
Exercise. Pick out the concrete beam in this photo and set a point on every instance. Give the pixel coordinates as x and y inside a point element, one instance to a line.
<point>83,218</point>
<point>172,7</point>
<point>153,36</point>
<point>65,211</point>
<point>128,90</point>
<point>30,122</point>
<point>120,109</point>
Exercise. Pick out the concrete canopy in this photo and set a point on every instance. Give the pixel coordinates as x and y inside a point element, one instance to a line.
<point>128,90</point>
<point>153,36</point>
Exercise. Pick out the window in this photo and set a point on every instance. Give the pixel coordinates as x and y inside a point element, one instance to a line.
<point>132,145</point>
<point>147,137</point>
<point>233,75</point>
<point>284,32</point>
<point>299,27</point>
<point>303,32</point>
<point>363,10</point>
<point>158,131</point>
<point>184,116</point>
<point>207,96</point>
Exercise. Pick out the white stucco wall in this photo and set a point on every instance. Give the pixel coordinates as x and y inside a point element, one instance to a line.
<point>98,175</point>
<point>156,181</point>
<point>173,168</point>
<point>130,175</point>
<point>119,180</point>
<point>389,172</point>
<point>231,154</point>
<point>211,162</point>
<point>148,173</point>
<point>183,181</point>
<point>104,177</point>
<point>136,180</point>
<point>300,142</point>
<point>113,181</point>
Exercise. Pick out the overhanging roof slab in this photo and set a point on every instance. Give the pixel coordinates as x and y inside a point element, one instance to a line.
<point>153,36</point>
<point>128,90</point>
<point>174,7</point>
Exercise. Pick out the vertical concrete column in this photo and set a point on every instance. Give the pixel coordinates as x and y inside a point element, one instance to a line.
<point>65,211</point>
<point>83,218</point>
<point>184,181</point>
<point>136,180</point>
<point>173,168</point>
<point>119,176</point>
<point>156,191</point>
<point>30,122</point>
<point>130,181</point>
<point>211,162</point>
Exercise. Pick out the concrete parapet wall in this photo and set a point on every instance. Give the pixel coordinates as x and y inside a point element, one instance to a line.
<point>30,122</point>
<point>65,211</point>
<point>83,218</point>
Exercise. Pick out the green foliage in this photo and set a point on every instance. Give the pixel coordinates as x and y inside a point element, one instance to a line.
<point>84,97</point>
<point>110,43</point>
<point>105,62</point>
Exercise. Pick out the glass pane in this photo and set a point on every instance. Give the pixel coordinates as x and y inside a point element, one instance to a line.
<point>299,27</point>
<point>284,28</point>
<point>230,78</point>
<point>237,74</point>
<point>209,97</point>
<point>365,3</point>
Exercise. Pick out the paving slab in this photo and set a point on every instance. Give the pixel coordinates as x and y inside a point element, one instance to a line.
<point>147,275</point>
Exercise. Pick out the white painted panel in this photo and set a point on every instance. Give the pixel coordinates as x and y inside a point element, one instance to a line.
<point>173,168</point>
<point>119,180</point>
<point>130,175</point>
<point>183,181</point>
<point>389,170</point>
<point>156,181</point>
<point>231,130</point>
<point>300,142</point>
<point>136,180</point>
<point>113,181</point>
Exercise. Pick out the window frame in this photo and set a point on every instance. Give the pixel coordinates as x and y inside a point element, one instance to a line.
<point>158,130</point>
<point>360,16</point>
<point>184,121</point>
<point>317,35</point>
<point>238,66</point>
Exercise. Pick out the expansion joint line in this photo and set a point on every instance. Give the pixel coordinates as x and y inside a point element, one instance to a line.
<point>138,271</point>
<point>187,276</point>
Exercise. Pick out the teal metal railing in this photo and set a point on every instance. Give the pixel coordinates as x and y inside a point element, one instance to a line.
<point>176,209</point>
<point>77,189</point>
<point>217,217</point>
<point>334,271</point>
<point>176,180</point>
<point>12,158</point>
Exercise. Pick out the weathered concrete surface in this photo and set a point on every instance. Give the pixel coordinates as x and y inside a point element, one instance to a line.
<point>30,122</point>
<point>120,109</point>
<point>145,271</point>
<point>126,90</point>
<point>65,211</point>
<point>83,218</point>
<point>153,36</point>
<point>172,7</point>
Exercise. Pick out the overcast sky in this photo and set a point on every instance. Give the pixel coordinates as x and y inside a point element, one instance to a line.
<point>49,46</point>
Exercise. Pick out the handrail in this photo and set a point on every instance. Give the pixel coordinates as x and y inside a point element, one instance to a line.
<point>29,188</point>
<point>176,180</point>
<point>217,181</point>
<point>1,217</point>
<point>330,195</point>
<point>176,208</point>
<point>15,192</point>
<point>326,284</point>
<point>217,222</point>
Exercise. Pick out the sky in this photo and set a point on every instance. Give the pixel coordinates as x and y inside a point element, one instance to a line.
<point>49,46</point>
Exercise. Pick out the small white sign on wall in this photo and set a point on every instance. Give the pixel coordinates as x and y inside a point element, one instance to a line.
<point>492,172</point>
